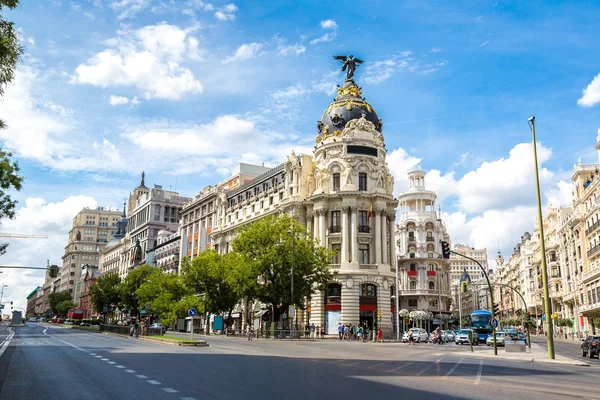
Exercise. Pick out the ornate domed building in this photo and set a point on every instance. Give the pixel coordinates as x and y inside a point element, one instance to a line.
<point>343,195</point>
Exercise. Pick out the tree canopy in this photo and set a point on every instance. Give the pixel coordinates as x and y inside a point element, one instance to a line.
<point>105,293</point>
<point>268,248</point>
<point>61,303</point>
<point>129,286</point>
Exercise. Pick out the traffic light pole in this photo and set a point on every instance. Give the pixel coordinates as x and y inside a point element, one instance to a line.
<point>487,278</point>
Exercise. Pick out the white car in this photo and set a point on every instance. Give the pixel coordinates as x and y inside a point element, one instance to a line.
<point>419,335</point>
<point>450,336</point>
<point>463,337</point>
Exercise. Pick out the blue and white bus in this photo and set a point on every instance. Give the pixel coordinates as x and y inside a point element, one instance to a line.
<point>479,322</point>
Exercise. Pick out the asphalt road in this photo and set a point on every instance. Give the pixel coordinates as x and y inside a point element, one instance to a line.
<point>565,347</point>
<point>45,362</point>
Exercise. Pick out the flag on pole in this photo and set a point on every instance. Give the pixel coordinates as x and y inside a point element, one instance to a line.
<point>370,213</point>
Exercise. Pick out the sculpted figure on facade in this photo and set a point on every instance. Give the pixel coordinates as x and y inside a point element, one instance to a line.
<point>324,178</point>
<point>309,184</point>
<point>361,124</point>
<point>293,161</point>
<point>389,183</point>
<point>348,174</point>
<point>317,179</point>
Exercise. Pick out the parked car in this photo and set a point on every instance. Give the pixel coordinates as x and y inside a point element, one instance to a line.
<point>590,347</point>
<point>158,325</point>
<point>512,333</point>
<point>463,337</point>
<point>85,323</point>
<point>450,336</point>
<point>419,335</point>
<point>68,323</point>
<point>500,338</point>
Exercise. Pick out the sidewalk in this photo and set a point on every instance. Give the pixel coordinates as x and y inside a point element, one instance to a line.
<point>536,354</point>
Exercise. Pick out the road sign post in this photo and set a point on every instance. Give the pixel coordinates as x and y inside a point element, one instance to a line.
<point>192,312</point>
<point>494,323</point>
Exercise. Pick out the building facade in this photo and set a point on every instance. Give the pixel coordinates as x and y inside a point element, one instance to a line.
<point>31,301</point>
<point>166,252</point>
<point>458,264</point>
<point>342,193</point>
<point>91,231</point>
<point>150,210</point>
<point>114,256</point>
<point>85,300</point>
<point>424,275</point>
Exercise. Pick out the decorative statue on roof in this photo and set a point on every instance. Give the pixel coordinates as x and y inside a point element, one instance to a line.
<point>349,65</point>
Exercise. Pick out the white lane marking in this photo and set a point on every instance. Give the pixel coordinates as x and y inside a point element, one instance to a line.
<point>131,371</point>
<point>120,366</point>
<point>478,379</point>
<point>170,390</point>
<point>92,354</point>
<point>98,356</point>
<point>45,330</point>
<point>188,398</point>
<point>4,346</point>
<point>142,376</point>
<point>430,365</point>
<point>104,359</point>
<point>73,346</point>
<point>111,362</point>
<point>453,368</point>
<point>153,382</point>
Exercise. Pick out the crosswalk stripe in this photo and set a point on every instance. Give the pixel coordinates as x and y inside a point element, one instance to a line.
<point>453,368</point>
<point>478,379</point>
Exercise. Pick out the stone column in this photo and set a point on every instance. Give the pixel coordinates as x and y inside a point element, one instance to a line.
<point>378,241</point>
<point>316,309</point>
<point>322,226</point>
<point>392,238</point>
<point>350,309</point>
<point>309,223</point>
<point>384,241</point>
<point>354,234</point>
<point>345,240</point>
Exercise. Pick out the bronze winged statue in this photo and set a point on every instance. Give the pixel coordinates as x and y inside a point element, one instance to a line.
<point>349,65</point>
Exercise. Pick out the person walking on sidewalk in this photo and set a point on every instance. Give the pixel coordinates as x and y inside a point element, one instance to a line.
<point>312,331</point>
<point>379,335</point>
<point>249,332</point>
<point>340,330</point>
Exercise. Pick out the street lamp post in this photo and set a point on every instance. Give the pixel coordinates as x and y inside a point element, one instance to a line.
<point>397,301</point>
<point>292,286</point>
<point>547,303</point>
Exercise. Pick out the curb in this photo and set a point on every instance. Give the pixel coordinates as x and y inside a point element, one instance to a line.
<point>526,359</point>
<point>199,343</point>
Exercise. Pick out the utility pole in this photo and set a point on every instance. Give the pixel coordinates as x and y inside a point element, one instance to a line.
<point>547,303</point>
<point>397,302</point>
<point>460,308</point>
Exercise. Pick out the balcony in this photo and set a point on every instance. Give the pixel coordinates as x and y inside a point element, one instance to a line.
<point>592,228</point>
<point>368,266</point>
<point>431,273</point>
<point>412,273</point>
<point>593,251</point>
<point>429,239</point>
<point>425,292</point>
<point>335,229</point>
<point>364,229</point>
<point>411,239</point>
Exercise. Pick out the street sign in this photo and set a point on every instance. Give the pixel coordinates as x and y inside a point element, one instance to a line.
<point>494,323</point>
<point>292,312</point>
<point>192,312</point>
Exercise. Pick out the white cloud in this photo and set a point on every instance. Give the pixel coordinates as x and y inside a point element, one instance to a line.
<point>118,100</point>
<point>400,163</point>
<point>128,8</point>
<point>330,25</point>
<point>148,58</point>
<point>561,195</point>
<point>379,71</point>
<point>225,13</point>
<point>37,217</point>
<point>287,49</point>
<point>591,94</point>
<point>245,52</point>
<point>436,50</point>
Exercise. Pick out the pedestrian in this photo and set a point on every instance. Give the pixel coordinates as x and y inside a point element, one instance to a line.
<point>249,332</point>
<point>323,332</point>
<point>136,332</point>
<point>340,330</point>
<point>379,335</point>
<point>131,330</point>
<point>312,331</point>
<point>360,333</point>
<point>411,338</point>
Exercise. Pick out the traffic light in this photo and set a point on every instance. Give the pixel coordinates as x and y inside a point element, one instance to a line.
<point>464,287</point>
<point>53,271</point>
<point>379,314</point>
<point>445,249</point>
<point>496,309</point>
<point>528,316</point>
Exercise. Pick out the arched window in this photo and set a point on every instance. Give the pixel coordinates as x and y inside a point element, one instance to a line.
<point>413,267</point>
<point>78,236</point>
<point>431,285</point>
<point>413,285</point>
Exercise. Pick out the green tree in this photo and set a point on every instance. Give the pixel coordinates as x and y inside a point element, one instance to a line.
<point>211,276</point>
<point>132,282</point>
<point>10,53</point>
<point>166,295</point>
<point>57,298</point>
<point>265,249</point>
<point>62,308</point>
<point>105,293</point>
<point>596,322</point>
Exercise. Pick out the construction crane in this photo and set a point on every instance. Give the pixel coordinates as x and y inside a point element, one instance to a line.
<point>22,235</point>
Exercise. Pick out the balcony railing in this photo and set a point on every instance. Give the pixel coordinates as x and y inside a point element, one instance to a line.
<point>412,273</point>
<point>367,266</point>
<point>411,239</point>
<point>429,239</point>
<point>364,228</point>
<point>594,250</point>
<point>335,229</point>
<point>431,273</point>
<point>430,292</point>
<point>592,228</point>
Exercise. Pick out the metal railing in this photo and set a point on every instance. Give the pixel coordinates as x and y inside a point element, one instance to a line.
<point>364,228</point>
<point>335,229</point>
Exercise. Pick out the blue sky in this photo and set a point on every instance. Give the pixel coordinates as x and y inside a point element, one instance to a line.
<point>184,90</point>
